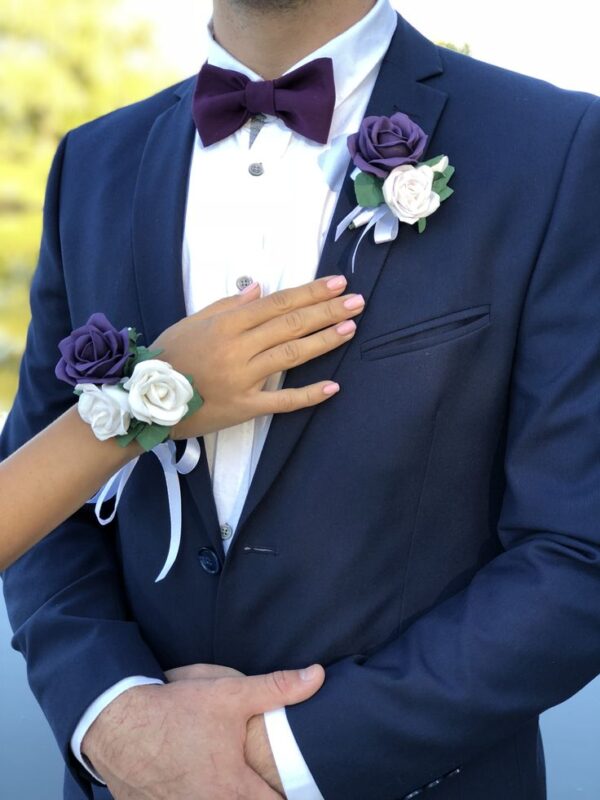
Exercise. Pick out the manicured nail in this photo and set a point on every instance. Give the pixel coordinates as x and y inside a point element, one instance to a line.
<point>337,282</point>
<point>331,388</point>
<point>346,328</point>
<point>309,674</point>
<point>356,301</point>
<point>250,288</point>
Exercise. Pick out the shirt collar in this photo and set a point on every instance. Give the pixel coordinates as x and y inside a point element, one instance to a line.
<point>355,53</point>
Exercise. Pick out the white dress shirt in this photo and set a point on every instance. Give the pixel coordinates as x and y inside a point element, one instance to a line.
<point>259,206</point>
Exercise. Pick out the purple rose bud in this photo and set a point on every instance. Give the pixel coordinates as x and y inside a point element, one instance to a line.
<point>384,143</point>
<point>95,353</point>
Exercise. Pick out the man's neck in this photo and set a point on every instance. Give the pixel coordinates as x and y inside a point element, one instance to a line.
<point>270,37</point>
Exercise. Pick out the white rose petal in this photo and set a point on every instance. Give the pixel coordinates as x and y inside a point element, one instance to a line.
<point>409,194</point>
<point>442,164</point>
<point>105,408</point>
<point>158,394</point>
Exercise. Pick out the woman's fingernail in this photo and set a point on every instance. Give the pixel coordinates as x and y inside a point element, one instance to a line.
<point>250,288</point>
<point>331,388</point>
<point>337,282</point>
<point>356,301</point>
<point>346,327</point>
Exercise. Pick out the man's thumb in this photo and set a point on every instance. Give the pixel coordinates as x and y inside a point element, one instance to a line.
<point>282,688</point>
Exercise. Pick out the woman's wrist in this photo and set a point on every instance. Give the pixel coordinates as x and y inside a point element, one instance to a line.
<point>113,455</point>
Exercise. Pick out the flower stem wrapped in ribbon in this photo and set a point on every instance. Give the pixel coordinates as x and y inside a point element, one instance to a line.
<point>390,183</point>
<point>124,390</point>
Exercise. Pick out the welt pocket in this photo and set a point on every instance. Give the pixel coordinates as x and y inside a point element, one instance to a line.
<point>428,333</point>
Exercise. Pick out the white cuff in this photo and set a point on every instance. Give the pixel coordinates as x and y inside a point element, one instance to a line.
<point>94,711</point>
<point>295,775</point>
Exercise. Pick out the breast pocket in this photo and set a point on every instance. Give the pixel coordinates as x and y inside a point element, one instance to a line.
<point>426,334</point>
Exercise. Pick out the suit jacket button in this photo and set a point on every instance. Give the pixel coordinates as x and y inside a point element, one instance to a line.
<point>434,783</point>
<point>410,796</point>
<point>209,561</point>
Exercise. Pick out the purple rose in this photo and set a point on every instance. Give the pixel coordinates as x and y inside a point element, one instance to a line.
<point>95,353</point>
<point>384,143</point>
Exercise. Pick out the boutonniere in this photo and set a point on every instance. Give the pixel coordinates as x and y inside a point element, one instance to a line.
<point>390,182</point>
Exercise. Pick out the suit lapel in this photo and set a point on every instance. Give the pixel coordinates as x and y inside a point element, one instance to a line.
<point>410,59</point>
<point>159,216</point>
<point>157,236</point>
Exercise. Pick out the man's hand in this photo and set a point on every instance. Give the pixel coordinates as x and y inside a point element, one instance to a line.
<point>186,740</point>
<point>258,753</point>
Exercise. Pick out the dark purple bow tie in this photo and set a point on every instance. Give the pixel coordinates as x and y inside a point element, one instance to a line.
<point>304,99</point>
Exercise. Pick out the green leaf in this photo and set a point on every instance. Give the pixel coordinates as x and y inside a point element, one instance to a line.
<point>134,430</point>
<point>448,172</point>
<point>422,224</point>
<point>368,190</point>
<point>195,403</point>
<point>133,337</point>
<point>128,368</point>
<point>439,184</point>
<point>445,193</point>
<point>143,354</point>
<point>151,435</point>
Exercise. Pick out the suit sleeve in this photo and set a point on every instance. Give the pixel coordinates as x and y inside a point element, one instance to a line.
<point>525,634</point>
<point>65,597</point>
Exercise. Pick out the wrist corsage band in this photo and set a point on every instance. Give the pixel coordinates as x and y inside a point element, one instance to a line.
<point>127,393</point>
<point>124,390</point>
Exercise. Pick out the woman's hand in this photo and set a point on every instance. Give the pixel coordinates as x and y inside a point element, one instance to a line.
<point>232,346</point>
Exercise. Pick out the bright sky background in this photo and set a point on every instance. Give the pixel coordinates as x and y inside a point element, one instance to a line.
<point>558,42</point>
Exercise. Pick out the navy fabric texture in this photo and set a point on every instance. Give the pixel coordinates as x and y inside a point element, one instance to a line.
<point>432,534</point>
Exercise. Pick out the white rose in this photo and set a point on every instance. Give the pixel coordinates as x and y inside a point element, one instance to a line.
<point>158,394</point>
<point>409,194</point>
<point>105,408</point>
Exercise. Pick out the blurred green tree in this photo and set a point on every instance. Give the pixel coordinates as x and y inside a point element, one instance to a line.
<point>62,62</point>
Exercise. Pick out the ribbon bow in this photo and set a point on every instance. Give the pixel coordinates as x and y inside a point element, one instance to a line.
<point>165,453</point>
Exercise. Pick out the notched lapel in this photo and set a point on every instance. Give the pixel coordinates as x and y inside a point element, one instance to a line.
<point>159,216</point>
<point>157,235</point>
<point>411,58</point>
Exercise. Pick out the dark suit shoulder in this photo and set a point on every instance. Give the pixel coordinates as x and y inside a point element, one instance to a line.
<point>505,92</point>
<point>102,157</point>
<point>128,125</point>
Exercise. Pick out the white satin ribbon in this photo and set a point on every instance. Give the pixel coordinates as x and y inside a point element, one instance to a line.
<point>165,453</point>
<point>384,221</point>
<point>382,218</point>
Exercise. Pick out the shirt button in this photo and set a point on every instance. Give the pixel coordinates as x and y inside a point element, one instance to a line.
<point>226,531</point>
<point>256,169</point>
<point>243,282</point>
<point>209,561</point>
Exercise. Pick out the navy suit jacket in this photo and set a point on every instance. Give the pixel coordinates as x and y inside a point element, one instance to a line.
<point>432,534</point>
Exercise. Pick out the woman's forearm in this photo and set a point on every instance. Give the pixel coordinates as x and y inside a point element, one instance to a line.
<point>230,348</point>
<point>49,478</point>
